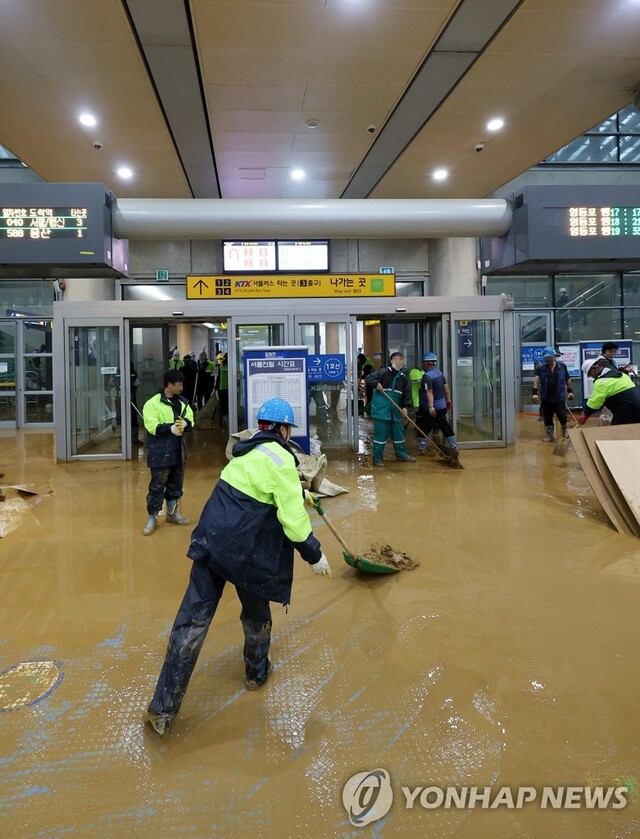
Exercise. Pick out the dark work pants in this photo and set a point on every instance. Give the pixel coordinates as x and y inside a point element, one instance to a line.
<point>426,423</point>
<point>166,483</point>
<point>551,408</point>
<point>190,629</point>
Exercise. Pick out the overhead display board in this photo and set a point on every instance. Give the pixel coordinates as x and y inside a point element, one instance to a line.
<point>202,287</point>
<point>269,256</point>
<point>59,230</point>
<point>581,225</point>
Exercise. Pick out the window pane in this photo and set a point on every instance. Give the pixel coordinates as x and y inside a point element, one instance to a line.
<point>37,336</point>
<point>573,325</point>
<point>578,290</point>
<point>629,120</point>
<point>7,337</point>
<point>588,149</point>
<point>412,289</point>
<point>608,126</point>
<point>38,373</point>
<point>631,285</point>
<point>24,298</point>
<point>630,149</point>
<point>528,292</point>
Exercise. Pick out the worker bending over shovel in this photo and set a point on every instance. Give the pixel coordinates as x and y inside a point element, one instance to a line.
<point>247,531</point>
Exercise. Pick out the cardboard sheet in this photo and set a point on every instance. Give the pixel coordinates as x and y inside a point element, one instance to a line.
<point>623,461</point>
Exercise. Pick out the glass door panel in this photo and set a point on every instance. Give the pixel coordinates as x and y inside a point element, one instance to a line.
<point>533,334</point>
<point>333,398</point>
<point>8,384</point>
<point>37,370</point>
<point>477,380</point>
<point>95,390</point>
<point>247,336</point>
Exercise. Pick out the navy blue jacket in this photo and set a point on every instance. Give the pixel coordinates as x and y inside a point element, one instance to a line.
<point>242,532</point>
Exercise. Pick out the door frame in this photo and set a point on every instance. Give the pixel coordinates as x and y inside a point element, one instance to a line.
<point>351,380</point>
<point>61,385</point>
<point>450,344</point>
<point>519,379</point>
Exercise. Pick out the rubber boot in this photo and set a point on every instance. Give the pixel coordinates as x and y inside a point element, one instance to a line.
<point>549,438</point>
<point>565,433</point>
<point>173,514</point>
<point>150,526</point>
<point>160,723</point>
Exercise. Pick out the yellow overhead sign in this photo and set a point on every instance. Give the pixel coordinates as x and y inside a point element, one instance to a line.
<point>201,287</point>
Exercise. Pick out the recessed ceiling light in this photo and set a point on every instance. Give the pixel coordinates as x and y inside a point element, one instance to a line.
<point>297,174</point>
<point>88,119</point>
<point>124,172</point>
<point>440,175</point>
<point>495,124</point>
<point>312,123</point>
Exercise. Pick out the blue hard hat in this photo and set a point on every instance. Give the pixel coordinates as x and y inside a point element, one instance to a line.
<point>276,410</point>
<point>547,352</point>
<point>430,356</point>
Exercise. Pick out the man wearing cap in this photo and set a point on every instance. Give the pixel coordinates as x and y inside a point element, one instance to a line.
<point>435,401</point>
<point>246,536</point>
<point>553,381</point>
<point>612,389</point>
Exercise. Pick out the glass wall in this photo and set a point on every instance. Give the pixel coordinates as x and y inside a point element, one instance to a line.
<point>616,140</point>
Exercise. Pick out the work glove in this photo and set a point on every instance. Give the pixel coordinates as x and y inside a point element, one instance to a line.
<point>582,419</point>
<point>321,568</point>
<point>534,398</point>
<point>570,396</point>
<point>309,500</point>
<point>177,430</point>
<point>181,422</point>
<point>449,404</point>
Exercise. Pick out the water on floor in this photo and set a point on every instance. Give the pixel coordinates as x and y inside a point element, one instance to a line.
<point>507,658</point>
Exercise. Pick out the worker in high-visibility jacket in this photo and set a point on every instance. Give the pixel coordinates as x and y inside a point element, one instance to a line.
<point>167,415</point>
<point>246,536</point>
<point>612,389</point>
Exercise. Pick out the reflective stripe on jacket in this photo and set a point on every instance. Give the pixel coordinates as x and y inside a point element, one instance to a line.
<point>163,447</point>
<point>614,390</point>
<point>255,518</point>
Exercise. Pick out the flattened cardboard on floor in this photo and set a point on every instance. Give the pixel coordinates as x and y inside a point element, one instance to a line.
<point>601,489</point>
<point>623,461</point>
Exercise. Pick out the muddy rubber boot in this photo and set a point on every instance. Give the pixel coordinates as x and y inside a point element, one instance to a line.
<point>173,514</point>
<point>549,438</point>
<point>150,526</point>
<point>454,460</point>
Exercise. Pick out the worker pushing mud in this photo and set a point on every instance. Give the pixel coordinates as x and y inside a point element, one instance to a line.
<point>246,536</point>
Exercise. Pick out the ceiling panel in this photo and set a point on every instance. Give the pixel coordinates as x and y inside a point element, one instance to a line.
<point>248,75</point>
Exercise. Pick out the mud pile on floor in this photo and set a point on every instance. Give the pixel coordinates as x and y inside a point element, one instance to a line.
<point>386,555</point>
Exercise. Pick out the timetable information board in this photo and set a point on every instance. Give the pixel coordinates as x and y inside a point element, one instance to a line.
<point>604,221</point>
<point>59,230</point>
<point>40,223</point>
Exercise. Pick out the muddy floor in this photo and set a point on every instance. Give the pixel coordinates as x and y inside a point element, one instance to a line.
<point>508,657</point>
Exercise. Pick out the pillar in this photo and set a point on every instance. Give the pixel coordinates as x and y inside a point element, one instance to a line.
<point>452,265</point>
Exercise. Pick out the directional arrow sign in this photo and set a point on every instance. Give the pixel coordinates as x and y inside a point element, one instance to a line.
<point>200,284</point>
<point>467,343</point>
<point>315,360</point>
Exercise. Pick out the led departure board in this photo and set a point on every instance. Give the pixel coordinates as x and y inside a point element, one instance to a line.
<point>604,221</point>
<point>570,227</point>
<point>41,223</point>
<point>59,230</point>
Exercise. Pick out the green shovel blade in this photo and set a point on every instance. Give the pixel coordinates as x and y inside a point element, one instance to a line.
<point>368,567</point>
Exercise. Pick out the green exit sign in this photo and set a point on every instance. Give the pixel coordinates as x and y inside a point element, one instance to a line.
<point>162,276</point>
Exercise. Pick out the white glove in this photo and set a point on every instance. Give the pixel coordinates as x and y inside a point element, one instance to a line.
<point>177,430</point>
<point>322,567</point>
<point>308,498</point>
<point>181,422</point>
